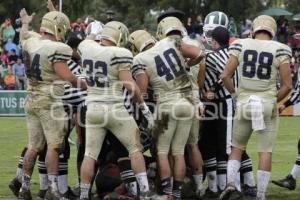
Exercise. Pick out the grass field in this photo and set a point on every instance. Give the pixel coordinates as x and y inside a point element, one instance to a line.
<point>13,136</point>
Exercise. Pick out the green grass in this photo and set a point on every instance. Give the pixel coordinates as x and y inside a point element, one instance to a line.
<point>13,137</point>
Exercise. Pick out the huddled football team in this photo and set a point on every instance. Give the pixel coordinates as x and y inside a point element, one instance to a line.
<point>181,106</point>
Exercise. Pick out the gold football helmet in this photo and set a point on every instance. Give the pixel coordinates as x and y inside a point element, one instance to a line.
<point>138,40</point>
<point>115,32</point>
<point>264,23</point>
<point>56,23</point>
<point>168,25</point>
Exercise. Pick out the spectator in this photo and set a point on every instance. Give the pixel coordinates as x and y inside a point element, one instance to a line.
<point>7,31</point>
<point>190,27</point>
<point>13,57</point>
<point>1,47</point>
<point>1,83</point>
<point>18,70</point>
<point>9,46</point>
<point>246,28</point>
<point>232,28</point>
<point>9,81</point>
<point>282,30</point>
<point>294,41</point>
<point>4,57</point>
<point>199,25</point>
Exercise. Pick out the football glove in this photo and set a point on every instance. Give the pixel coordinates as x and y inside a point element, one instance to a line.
<point>147,114</point>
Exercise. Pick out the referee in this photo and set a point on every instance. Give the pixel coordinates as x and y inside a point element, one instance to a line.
<point>289,181</point>
<point>216,128</point>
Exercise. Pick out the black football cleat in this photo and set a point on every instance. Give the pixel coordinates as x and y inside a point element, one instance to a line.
<point>24,194</point>
<point>288,182</point>
<point>52,195</point>
<point>231,193</point>
<point>210,194</point>
<point>41,194</point>
<point>249,190</point>
<point>15,186</point>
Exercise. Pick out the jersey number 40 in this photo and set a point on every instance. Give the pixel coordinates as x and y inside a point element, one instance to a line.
<point>169,69</point>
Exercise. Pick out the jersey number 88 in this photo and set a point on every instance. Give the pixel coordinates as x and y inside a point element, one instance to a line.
<point>265,61</point>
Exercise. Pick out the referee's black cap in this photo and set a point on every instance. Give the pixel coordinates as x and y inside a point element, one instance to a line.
<point>221,35</point>
<point>74,38</point>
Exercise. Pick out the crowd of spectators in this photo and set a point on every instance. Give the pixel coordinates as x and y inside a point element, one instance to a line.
<point>194,28</point>
<point>12,70</point>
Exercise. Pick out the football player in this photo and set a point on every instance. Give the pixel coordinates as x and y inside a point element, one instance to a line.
<point>111,143</point>
<point>163,67</point>
<point>289,181</point>
<point>107,67</point>
<point>73,98</point>
<point>258,60</point>
<point>193,153</point>
<point>46,66</point>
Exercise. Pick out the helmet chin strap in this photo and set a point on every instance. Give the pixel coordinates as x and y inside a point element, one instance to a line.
<point>120,38</point>
<point>55,32</point>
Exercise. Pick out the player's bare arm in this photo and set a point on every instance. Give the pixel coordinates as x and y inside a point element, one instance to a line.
<point>195,54</point>
<point>228,72</point>
<point>142,82</point>
<point>26,20</point>
<point>131,86</point>
<point>63,71</point>
<point>201,75</point>
<point>50,6</point>
<point>285,75</point>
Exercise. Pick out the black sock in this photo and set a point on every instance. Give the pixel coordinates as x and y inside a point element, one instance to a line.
<point>19,172</point>
<point>127,176</point>
<point>43,177</point>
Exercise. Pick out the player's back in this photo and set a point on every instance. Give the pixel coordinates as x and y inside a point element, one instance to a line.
<point>39,57</point>
<point>258,64</point>
<point>101,67</point>
<point>165,66</point>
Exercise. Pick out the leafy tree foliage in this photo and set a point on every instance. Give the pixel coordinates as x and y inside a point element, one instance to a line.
<point>136,13</point>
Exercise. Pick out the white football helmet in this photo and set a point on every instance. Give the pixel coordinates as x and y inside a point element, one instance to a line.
<point>168,25</point>
<point>138,40</point>
<point>55,23</point>
<point>115,32</point>
<point>96,28</point>
<point>213,20</point>
<point>264,23</point>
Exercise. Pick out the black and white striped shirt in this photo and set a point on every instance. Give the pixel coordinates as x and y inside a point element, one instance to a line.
<point>295,96</point>
<point>215,64</point>
<point>73,97</point>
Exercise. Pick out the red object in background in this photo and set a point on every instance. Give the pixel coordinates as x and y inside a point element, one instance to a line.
<point>294,42</point>
<point>232,39</point>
